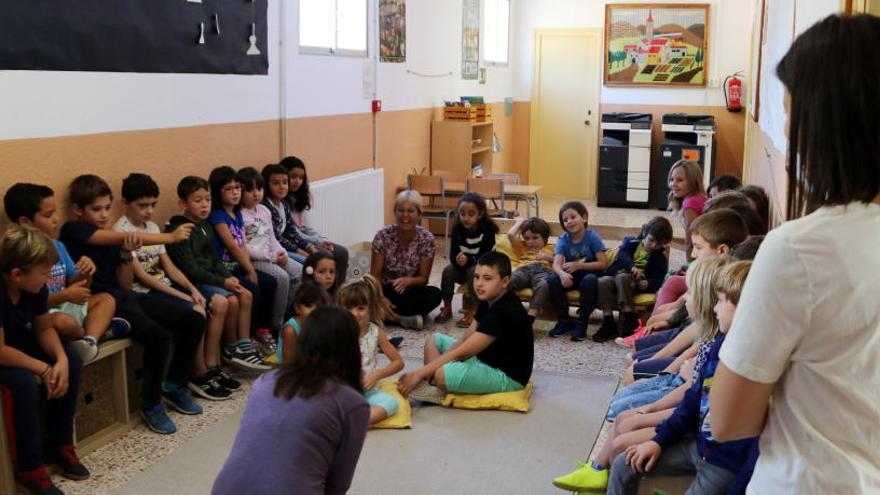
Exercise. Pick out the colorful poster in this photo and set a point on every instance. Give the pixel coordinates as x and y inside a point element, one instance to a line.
<point>392,31</point>
<point>470,39</point>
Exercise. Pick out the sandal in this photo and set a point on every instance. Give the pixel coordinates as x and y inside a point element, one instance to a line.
<point>466,320</point>
<point>445,315</point>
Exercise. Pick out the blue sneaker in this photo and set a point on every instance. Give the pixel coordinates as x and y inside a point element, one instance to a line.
<point>180,400</point>
<point>157,419</point>
<point>579,332</point>
<point>119,329</point>
<point>562,327</point>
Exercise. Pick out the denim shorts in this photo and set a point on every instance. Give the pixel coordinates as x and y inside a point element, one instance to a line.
<point>642,393</point>
<point>473,376</point>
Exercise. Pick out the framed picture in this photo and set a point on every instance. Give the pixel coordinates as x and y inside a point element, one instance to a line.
<point>656,45</point>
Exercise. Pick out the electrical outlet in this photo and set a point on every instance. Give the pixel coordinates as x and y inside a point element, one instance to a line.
<point>713,82</point>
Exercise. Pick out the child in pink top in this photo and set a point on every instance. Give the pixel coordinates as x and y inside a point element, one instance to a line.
<point>687,195</point>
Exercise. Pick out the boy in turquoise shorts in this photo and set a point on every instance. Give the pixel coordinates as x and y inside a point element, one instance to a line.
<point>494,355</point>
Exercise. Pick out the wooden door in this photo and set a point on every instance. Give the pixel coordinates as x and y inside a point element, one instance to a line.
<point>565,118</point>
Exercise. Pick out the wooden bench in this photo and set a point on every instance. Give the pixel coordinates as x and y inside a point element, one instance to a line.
<point>106,408</point>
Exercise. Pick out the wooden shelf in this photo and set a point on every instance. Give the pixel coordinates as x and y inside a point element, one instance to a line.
<point>480,149</point>
<point>453,149</point>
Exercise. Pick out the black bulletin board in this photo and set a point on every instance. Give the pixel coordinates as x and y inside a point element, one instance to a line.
<point>133,35</point>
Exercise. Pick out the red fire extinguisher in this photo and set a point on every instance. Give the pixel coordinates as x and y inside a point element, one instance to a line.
<point>733,92</point>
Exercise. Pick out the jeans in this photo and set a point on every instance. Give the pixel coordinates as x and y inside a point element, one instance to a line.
<point>642,393</point>
<point>679,459</point>
<point>586,282</point>
<point>616,291</point>
<point>654,339</point>
<point>264,297</point>
<point>287,278</point>
<point>534,276</point>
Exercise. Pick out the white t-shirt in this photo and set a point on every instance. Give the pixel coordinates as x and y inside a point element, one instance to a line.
<point>147,256</point>
<point>809,321</point>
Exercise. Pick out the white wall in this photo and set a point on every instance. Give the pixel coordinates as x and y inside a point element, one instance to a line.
<point>47,103</point>
<point>729,28</point>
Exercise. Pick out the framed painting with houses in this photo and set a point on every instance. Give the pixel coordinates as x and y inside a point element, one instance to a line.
<point>656,45</point>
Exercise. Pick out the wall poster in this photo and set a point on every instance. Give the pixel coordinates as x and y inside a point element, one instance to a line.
<point>470,39</point>
<point>392,31</point>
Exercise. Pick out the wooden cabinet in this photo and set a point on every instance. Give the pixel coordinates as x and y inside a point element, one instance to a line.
<point>458,147</point>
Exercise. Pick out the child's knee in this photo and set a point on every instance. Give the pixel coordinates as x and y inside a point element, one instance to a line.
<point>246,296</point>
<point>102,300</point>
<point>219,305</point>
<point>439,378</point>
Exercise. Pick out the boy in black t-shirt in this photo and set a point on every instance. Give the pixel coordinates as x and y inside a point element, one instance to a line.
<point>154,324</point>
<point>30,349</point>
<point>494,355</point>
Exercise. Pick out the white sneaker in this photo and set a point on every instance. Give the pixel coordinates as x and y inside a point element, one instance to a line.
<point>425,392</point>
<point>86,349</point>
<point>415,322</point>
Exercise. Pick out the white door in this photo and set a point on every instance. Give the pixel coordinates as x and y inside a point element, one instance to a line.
<point>565,118</point>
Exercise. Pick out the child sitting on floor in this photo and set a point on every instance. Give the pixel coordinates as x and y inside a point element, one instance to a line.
<point>364,300</point>
<point>473,235</point>
<point>308,296</point>
<point>684,443</point>
<point>30,349</point>
<point>494,355</point>
<point>640,266</point>
<point>528,238</point>
<point>321,268</point>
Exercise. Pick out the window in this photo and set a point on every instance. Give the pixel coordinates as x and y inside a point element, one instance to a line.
<point>495,32</point>
<point>333,27</point>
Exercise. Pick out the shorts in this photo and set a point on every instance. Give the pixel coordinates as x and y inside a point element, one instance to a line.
<point>208,291</point>
<point>473,376</point>
<point>378,398</point>
<point>76,311</point>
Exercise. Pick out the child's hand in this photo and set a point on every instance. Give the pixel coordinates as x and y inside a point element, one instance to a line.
<point>232,284</point>
<point>542,256</point>
<point>370,381</point>
<point>407,382</point>
<point>566,279</point>
<point>85,266</point>
<point>643,456</point>
<point>57,380</point>
<point>636,272</point>
<point>252,276</point>
<point>182,232</point>
<point>389,308</point>
<point>571,266</point>
<point>77,292</point>
<point>313,249</point>
<point>686,371</point>
<point>643,284</point>
<point>198,298</point>
<point>461,259</point>
<point>132,242</point>
<point>281,258</point>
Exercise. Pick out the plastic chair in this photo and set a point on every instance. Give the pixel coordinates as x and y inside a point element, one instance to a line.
<point>491,190</point>
<point>433,189</point>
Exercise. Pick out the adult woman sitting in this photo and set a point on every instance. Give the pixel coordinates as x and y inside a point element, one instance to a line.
<point>402,257</point>
<point>304,424</point>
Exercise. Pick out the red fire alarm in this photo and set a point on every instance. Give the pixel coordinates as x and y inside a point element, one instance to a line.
<point>377,106</point>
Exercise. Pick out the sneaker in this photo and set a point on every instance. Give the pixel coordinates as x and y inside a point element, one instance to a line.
<point>628,323</point>
<point>119,329</point>
<point>584,479</point>
<point>607,331</point>
<point>445,314</point>
<point>205,387</point>
<point>157,419</point>
<point>415,322</point>
<point>86,348</point>
<point>245,357</point>
<point>631,340</point>
<point>466,320</point>
<point>425,392</point>
<point>562,327</point>
<point>71,468</point>
<point>221,378</point>
<point>265,342</point>
<point>38,482</point>
<point>181,401</point>
<point>579,332</point>
<point>395,341</point>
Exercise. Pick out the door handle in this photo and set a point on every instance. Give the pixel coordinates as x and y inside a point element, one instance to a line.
<point>586,122</point>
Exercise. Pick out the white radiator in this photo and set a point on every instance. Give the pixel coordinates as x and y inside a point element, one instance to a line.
<point>348,208</point>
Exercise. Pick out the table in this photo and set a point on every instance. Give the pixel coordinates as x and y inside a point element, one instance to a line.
<point>522,192</point>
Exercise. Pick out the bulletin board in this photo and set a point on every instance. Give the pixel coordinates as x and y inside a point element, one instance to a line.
<point>186,36</point>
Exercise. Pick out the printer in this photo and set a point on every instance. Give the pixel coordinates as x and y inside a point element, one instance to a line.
<point>688,137</point>
<point>625,160</point>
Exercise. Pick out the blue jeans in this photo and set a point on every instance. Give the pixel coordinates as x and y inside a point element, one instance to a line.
<point>642,393</point>
<point>588,285</point>
<point>654,339</point>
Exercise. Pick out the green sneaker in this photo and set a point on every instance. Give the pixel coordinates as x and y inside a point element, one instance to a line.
<point>585,479</point>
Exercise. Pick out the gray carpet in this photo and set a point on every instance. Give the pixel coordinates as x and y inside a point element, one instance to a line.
<point>446,451</point>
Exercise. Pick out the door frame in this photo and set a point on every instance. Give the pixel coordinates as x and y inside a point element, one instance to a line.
<point>596,89</point>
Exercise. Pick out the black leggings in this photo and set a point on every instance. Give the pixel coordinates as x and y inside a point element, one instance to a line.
<point>417,300</point>
<point>155,322</point>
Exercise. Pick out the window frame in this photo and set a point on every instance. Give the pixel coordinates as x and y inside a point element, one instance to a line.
<point>332,50</point>
<point>495,63</point>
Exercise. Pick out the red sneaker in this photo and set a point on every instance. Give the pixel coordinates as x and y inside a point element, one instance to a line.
<point>38,482</point>
<point>68,461</point>
<point>630,341</point>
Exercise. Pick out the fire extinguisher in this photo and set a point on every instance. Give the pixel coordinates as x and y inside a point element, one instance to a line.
<point>733,92</point>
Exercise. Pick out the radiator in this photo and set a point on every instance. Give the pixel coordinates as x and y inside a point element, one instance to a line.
<point>349,208</point>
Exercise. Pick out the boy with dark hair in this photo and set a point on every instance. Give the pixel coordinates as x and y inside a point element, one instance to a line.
<point>494,355</point>
<point>154,324</point>
<point>528,238</point>
<point>30,349</point>
<point>158,280</point>
<point>199,262</point>
<point>723,183</point>
<point>78,315</point>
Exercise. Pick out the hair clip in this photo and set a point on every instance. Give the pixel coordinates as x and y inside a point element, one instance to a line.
<point>310,270</point>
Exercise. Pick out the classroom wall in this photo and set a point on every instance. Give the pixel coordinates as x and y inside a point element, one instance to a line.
<point>56,125</point>
<point>728,52</point>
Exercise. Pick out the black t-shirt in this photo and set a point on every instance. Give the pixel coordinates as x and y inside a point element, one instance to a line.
<point>75,235</point>
<point>17,320</point>
<point>513,350</point>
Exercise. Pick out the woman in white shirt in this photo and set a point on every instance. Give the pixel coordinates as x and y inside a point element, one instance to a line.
<point>807,331</point>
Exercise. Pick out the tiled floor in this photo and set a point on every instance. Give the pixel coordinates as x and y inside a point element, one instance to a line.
<point>137,450</point>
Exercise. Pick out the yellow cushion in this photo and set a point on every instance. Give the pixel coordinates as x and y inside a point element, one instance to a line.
<point>271,360</point>
<point>517,401</point>
<point>403,417</point>
<point>645,299</point>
